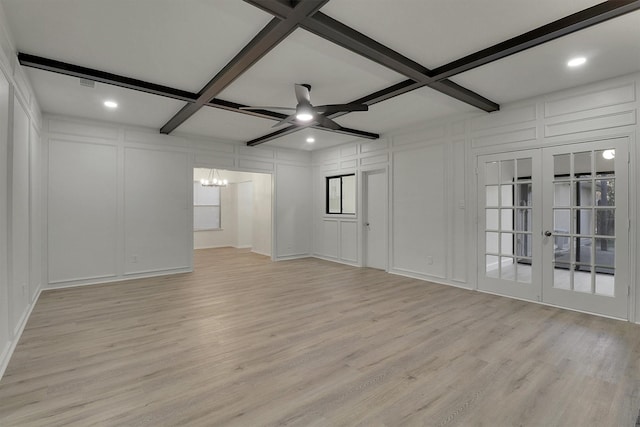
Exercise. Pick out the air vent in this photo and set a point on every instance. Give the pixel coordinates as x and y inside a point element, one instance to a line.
<point>87,83</point>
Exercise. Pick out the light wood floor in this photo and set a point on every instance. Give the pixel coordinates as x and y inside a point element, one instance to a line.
<point>246,342</point>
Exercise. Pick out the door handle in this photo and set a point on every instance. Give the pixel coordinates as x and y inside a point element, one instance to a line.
<point>548,233</point>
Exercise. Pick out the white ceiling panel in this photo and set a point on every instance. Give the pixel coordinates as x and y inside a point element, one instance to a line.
<point>58,94</point>
<point>225,125</point>
<point>611,48</point>
<point>181,44</point>
<point>436,32</point>
<point>335,74</point>
<point>323,139</point>
<point>410,109</point>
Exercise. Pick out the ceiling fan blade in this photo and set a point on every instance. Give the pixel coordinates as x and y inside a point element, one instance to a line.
<point>327,122</point>
<point>302,93</point>
<point>269,108</point>
<point>288,119</point>
<point>337,108</point>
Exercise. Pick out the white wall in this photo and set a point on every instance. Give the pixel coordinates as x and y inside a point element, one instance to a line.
<point>21,225</point>
<point>293,211</point>
<point>6,334</point>
<point>228,233</point>
<point>432,221</point>
<point>121,198</point>
<point>262,214</point>
<point>82,211</point>
<point>19,255</point>
<point>244,191</point>
<point>419,201</point>
<point>158,210</point>
<point>37,217</point>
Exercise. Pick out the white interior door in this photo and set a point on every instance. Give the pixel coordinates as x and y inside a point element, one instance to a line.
<point>553,226</point>
<point>375,219</point>
<point>508,217</point>
<point>586,227</point>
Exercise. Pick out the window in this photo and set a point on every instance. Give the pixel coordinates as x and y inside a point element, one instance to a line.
<point>206,207</point>
<point>341,194</point>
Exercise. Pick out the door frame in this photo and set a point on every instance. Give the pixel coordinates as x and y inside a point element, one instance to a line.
<point>592,303</point>
<point>633,208</point>
<point>212,165</point>
<point>531,291</point>
<point>364,190</point>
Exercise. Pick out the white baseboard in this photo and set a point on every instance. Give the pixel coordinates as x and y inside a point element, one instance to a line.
<point>554,306</point>
<point>337,260</point>
<point>431,279</point>
<point>119,278</point>
<point>289,257</point>
<point>5,357</point>
<point>261,253</point>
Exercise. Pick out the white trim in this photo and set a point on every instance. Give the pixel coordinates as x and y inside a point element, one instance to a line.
<point>290,257</point>
<point>261,253</point>
<point>431,279</point>
<point>132,276</point>
<point>337,260</point>
<point>5,357</point>
<point>554,306</point>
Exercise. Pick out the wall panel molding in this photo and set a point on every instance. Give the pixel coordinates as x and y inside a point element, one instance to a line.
<point>371,146</point>
<point>591,123</point>
<point>591,100</point>
<point>73,128</point>
<point>506,137</point>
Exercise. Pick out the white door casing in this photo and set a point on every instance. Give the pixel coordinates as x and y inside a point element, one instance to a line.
<point>586,246</point>
<point>509,213</point>
<point>551,229</point>
<point>375,219</point>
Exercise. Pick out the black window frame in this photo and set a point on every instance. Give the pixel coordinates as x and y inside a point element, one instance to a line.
<point>327,211</point>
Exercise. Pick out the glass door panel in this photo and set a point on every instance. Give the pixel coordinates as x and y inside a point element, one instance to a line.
<point>580,182</point>
<point>507,208</point>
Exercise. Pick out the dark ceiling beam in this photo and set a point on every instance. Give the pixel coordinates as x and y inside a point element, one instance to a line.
<point>236,108</point>
<point>342,35</point>
<point>72,70</point>
<point>578,21</point>
<point>269,37</point>
<point>59,67</point>
<point>92,74</point>
<point>336,32</point>
<point>348,38</point>
<point>437,78</point>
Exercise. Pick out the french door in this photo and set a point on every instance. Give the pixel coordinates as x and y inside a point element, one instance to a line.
<point>553,226</point>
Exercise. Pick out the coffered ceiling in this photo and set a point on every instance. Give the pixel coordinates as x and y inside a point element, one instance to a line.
<point>202,60</point>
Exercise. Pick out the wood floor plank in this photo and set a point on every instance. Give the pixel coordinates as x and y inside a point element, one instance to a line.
<point>243,341</point>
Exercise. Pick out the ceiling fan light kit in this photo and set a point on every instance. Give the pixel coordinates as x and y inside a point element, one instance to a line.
<point>306,113</point>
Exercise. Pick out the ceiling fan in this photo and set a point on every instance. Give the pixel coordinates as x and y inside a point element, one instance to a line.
<point>305,112</point>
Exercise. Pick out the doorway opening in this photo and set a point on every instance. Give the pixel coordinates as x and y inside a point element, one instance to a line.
<point>232,209</point>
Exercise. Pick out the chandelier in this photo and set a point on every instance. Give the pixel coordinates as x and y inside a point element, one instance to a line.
<point>214,180</point>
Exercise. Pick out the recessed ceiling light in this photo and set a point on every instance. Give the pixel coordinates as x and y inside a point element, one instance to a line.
<point>576,62</point>
<point>311,140</point>
<point>110,104</point>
